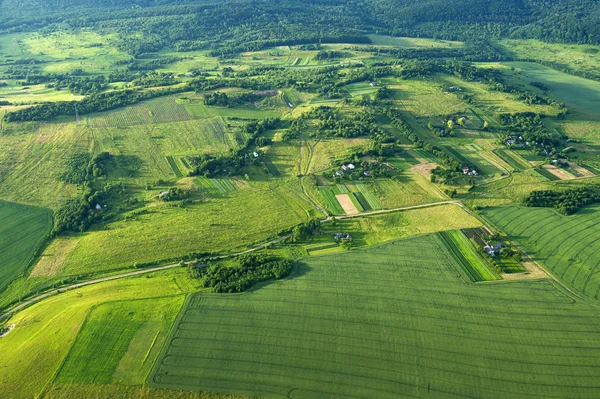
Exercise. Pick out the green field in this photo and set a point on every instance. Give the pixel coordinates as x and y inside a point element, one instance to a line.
<point>214,187</point>
<point>23,229</point>
<point>563,245</point>
<point>100,352</point>
<point>465,255</point>
<point>411,42</point>
<point>424,98</point>
<point>328,195</point>
<point>512,159</point>
<point>398,320</point>
<point>55,334</point>
<point>579,94</point>
<point>158,110</point>
<point>199,110</point>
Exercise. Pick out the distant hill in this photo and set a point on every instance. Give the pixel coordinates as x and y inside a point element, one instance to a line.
<point>251,24</point>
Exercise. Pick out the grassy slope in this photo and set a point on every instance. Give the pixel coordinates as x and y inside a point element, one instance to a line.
<point>564,245</point>
<point>398,320</point>
<point>220,225</point>
<point>45,332</point>
<point>22,231</point>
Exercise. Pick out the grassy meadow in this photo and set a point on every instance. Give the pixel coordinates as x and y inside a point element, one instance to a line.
<point>399,319</point>
<point>22,232</point>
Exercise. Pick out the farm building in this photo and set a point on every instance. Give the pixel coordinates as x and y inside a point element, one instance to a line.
<point>373,84</point>
<point>491,250</point>
<point>342,237</point>
<point>163,194</point>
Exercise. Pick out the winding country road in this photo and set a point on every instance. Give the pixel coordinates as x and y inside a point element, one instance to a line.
<point>40,297</point>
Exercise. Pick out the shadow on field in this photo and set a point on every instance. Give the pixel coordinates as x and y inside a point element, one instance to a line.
<point>300,269</point>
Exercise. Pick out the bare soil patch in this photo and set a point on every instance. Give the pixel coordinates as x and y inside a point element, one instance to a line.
<point>583,172</point>
<point>346,203</point>
<point>533,271</point>
<point>424,168</point>
<point>558,172</point>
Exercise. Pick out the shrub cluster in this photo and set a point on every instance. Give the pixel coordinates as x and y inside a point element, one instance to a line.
<point>566,202</point>
<point>250,269</point>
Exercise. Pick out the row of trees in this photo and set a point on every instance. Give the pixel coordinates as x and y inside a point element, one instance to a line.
<point>92,103</point>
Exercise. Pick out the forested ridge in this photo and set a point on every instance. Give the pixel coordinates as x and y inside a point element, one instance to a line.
<point>242,25</point>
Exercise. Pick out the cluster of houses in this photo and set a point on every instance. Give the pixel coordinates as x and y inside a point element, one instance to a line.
<point>469,172</point>
<point>519,142</point>
<point>345,168</point>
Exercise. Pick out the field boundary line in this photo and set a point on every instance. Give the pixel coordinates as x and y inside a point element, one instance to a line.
<point>266,244</point>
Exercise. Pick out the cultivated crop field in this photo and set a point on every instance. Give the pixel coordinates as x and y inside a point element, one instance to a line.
<point>23,229</point>
<point>345,325</point>
<point>563,245</point>
<point>425,98</point>
<point>158,110</point>
<point>52,335</point>
<point>33,159</point>
<point>113,339</point>
<point>465,254</point>
<point>406,190</point>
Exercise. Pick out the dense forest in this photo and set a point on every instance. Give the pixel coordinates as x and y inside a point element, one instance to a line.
<point>241,25</point>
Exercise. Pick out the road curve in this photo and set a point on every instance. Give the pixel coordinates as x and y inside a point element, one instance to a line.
<point>40,297</point>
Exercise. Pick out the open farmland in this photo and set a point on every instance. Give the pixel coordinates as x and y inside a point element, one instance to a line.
<point>425,98</point>
<point>406,189</point>
<point>377,229</point>
<point>33,160</point>
<point>496,101</point>
<point>396,320</point>
<point>158,110</point>
<point>23,229</point>
<point>114,337</point>
<point>215,225</point>
<point>580,94</point>
<point>52,331</point>
<point>564,245</point>
<point>465,254</point>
